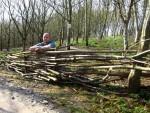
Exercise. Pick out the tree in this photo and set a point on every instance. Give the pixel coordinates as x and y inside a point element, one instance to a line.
<point>134,76</point>
<point>67,16</point>
<point>125,15</point>
<point>69,23</point>
<point>106,11</point>
<point>138,25</point>
<point>21,19</point>
<point>41,14</point>
<point>86,36</point>
<point>79,17</point>
<point>1,32</point>
<point>8,32</point>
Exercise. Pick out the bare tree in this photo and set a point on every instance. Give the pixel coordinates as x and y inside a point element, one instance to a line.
<point>137,36</point>
<point>134,76</point>
<point>1,32</point>
<point>86,36</point>
<point>1,37</point>
<point>106,11</point>
<point>79,17</point>
<point>21,19</point>
<point>42,16</point>
<point>67,16</point>
<point>125,14</point>
<point>88,11</point>
<point>8,32</point>
<point>69,23</point>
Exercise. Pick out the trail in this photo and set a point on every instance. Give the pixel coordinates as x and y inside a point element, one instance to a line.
<point>22,100</point>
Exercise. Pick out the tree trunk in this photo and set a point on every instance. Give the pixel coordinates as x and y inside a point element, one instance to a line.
<point>136,22</point>
<point>89,22</point>
<point>78,22</point>
<point>69,22</point>
<point>126,37</point>
<point>1,39</point>
<point>134,81</point>
<point>86,36</point>
<point>139,28</point>
<point>105,21</point>
<point>125,16</point>
<point>14,39</point>
<point>8,41</point>
<point>24,43</point>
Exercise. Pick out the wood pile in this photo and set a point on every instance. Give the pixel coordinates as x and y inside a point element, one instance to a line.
<point>75,66</point>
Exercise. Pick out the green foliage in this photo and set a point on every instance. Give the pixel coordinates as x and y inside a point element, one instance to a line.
<point>15,50</point>
<point>105,43</point>
<point>74,109</point>
<point>139,109</point>
<point>122,105</point>
<point>126,105</point>
<point>2,54</point>
<point>143,96</point>
<point>99,103</point>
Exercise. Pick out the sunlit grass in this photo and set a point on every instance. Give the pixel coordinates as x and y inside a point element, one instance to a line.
<point>105,43</point>
<point>109,42</point>
<point>2,54</point>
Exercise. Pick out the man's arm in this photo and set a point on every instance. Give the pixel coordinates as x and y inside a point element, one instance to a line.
<point>40,47</point>
<point>47,47</point>
<point>35,47</point>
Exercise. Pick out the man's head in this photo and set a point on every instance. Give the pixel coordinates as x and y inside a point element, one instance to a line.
<point>46,37</point>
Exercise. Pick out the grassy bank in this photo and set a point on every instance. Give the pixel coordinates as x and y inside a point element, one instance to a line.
<point>78,100</point>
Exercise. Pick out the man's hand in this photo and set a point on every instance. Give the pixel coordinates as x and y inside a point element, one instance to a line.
<point>38,49</point>
<point>32,49</point>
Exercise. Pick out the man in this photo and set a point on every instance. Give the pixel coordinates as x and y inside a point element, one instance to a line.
<point>47,44</point>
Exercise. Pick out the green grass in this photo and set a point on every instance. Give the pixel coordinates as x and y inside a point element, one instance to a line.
<point>97,104</point>
<point>2,54</point>
<point>106,43</point>
<point>75,102</point>
<point>110,42</point>
<point>15,50</point>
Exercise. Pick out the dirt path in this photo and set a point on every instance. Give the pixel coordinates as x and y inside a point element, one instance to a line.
<point>22,100</point>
